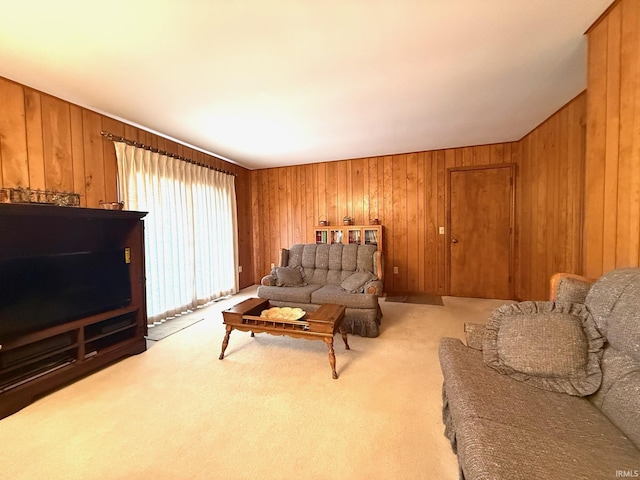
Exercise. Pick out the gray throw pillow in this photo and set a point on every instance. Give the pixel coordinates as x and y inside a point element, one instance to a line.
<point>355,282</point>
<point>290,277</point>
<point>550,345</point>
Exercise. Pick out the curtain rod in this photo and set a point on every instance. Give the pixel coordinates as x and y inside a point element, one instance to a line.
<point>116,138</point>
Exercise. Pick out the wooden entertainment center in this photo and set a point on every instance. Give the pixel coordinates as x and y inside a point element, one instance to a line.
<point>36,362</point>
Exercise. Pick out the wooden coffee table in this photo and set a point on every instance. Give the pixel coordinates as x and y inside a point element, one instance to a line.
<point>319,325</point>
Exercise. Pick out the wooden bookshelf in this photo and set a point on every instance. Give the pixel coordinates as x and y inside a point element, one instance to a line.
<point>350,234</point>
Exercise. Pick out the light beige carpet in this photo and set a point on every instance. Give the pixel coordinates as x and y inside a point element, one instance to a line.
<point>269,410</point>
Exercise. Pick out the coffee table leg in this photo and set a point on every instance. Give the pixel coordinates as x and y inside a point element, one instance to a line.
<point>343,332</point>
<point>332,356</point>
<point>225,342</point>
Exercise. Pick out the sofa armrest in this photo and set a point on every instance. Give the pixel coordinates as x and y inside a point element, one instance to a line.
<point>569,287</point>
<point>373,287</point>
<point>474,333</point>
<point>268,280</point>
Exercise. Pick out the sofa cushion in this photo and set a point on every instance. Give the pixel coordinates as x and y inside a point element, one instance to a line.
<point>288,294</point>
<point>508,429</point>
<point>335,256</point>
<point>550,345</point>
<point>621,322</point>
<point>349,257</point>
<point>308,257</point>
<point>613,299</point>
<point>336,294</point>
<point>489,449</point>
<point>355,282</point>
<point>474,333</point>
<point>290,277</point>
<point>316,275</point>
<point>619,395</point>
<point>366,258</point>
<point>294,258</point>
<point>334,277</point>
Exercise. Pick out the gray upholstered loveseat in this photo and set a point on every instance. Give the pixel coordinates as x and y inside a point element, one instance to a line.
<point>310,275</point>
<point>549,390</point>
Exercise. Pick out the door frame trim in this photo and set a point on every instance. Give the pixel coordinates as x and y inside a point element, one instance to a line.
<point>512,211</point>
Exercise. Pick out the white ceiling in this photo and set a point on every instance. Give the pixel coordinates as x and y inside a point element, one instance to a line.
<point>274,82</point>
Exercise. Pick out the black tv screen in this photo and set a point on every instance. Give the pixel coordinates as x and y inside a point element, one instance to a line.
<point>42,291</point>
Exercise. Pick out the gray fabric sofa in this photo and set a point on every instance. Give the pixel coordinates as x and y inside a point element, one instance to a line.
<point>549,390</point>
<point>310,275</point>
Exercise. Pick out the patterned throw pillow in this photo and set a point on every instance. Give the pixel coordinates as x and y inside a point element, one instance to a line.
<point>355,282</point>
<point>550,345</point>
<point>290,277</point>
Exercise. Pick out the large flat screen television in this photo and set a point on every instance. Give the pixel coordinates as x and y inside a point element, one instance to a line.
<point>39,292</point>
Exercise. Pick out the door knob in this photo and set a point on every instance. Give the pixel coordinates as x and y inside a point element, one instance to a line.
<point>454,240</point>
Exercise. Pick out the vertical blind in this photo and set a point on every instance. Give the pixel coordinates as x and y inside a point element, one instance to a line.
<point>190,230</point>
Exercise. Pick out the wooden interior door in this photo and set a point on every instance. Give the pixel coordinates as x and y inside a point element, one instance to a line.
<point>480,234</point>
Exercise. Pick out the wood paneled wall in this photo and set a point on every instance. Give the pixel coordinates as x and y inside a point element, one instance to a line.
<point>612,197</point>
<point>405,192</point>
<point>50,144</point>
<point>549,200</point>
